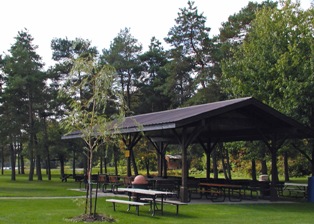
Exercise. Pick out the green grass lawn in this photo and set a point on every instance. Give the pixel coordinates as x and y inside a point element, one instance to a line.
<point>56,211</point>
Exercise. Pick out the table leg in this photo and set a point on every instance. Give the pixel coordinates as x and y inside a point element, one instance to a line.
<point>154,205</point>
<point>162,205</point>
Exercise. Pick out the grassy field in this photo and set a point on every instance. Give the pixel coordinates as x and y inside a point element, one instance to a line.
<point>30,210</point>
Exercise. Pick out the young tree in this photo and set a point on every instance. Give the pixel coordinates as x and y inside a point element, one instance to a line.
<point>88,114</point>
<point>65,52</point>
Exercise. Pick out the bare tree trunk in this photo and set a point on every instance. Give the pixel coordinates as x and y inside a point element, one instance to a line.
<point>38,160</point>
<point>215,168</point>
<point>90,188</point>
<point>115,159</point>
<point>61,159</point>
<point>12,156</point>
<point>228,164</point>
<point>147,167</point>
<point>134,163</point>
<point>105,164</point>
<point>101,167</point>
<point>73,164</point>
<point>2,160</point>
<point>253,170</point>
<point>264,169</point>
<point>22,165</point>
<point>224,165</point>
<point>286,167</point>
<point>46,147</point>
<point>31,137</point>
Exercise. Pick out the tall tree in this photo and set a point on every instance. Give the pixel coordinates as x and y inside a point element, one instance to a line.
<point>123,56</point>
<point>24,85</point>
<point>190,38</point>
<point>234,31</point>
<point>151,79</point>
<point>65,51</point>
<point>275,62</point>
<point>179,85</point>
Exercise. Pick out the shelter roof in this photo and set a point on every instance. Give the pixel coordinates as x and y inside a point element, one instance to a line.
<point>229,120</point>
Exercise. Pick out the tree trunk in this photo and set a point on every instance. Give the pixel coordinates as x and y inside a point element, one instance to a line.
<point>147,167</point>
<point>31,159</point>
<point>22,165</point>
<point>12,156</point>
<point>90,188</point>
<point>224,165</point>
<point>264,169</point>
<point>61,158</point>
<point>101,166</point>
<point>129,170</point>
<point>228,164</point>
<point>115,159</point>
<point>18,152</point>
<point>46,146</point>
<point>2,160</point>
<point>215,168</point>
<point>253,170</point>
<point>105,164</point>
<point>207,165</point>
<point>31,137</point>
<point>164,163</point>
<point>73,164</point>
<point>38,168</point>
<point>286,167</point>
<point>38,160</point>
<point>134,163</point>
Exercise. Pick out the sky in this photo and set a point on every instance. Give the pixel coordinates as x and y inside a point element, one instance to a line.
<point>100,21</point>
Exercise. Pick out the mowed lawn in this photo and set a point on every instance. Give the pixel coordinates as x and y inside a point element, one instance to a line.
<point>30,209</point>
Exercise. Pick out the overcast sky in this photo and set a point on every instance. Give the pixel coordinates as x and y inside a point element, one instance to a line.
<point>101,20</point>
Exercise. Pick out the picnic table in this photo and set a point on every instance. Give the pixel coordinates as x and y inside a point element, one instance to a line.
<point>153,196</point>
<point>216,190</point>
<point>296,189</point>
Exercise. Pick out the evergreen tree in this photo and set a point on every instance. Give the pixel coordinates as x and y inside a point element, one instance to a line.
<point>192,69</point>
<point>123,56</point>
<point>24,82</point>
<point>152,76</point>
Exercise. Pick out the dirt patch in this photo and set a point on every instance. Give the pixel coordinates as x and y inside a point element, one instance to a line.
<point>92,218</point>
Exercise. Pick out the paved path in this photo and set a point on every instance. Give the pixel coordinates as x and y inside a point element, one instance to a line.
<point>194,201</point>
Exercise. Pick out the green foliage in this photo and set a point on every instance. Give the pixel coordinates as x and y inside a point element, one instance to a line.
<point>151,95</point>
<point>123,56</point>
<point>275,62</point>
<point>191,68</point>
<point>22,96</point>
<point>87,113</point>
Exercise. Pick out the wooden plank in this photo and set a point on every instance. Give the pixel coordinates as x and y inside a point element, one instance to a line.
<point>133,203</point>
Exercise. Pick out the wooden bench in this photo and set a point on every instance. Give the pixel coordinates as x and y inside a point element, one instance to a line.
<point>64,177</point>
<point>297,193</point>
<point>170,202</point>
<point>176,203</point>
<point>213,194</point>
<point>130,203</point>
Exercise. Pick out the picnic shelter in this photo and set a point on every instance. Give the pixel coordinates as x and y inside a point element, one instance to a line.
<point>242,119</point>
